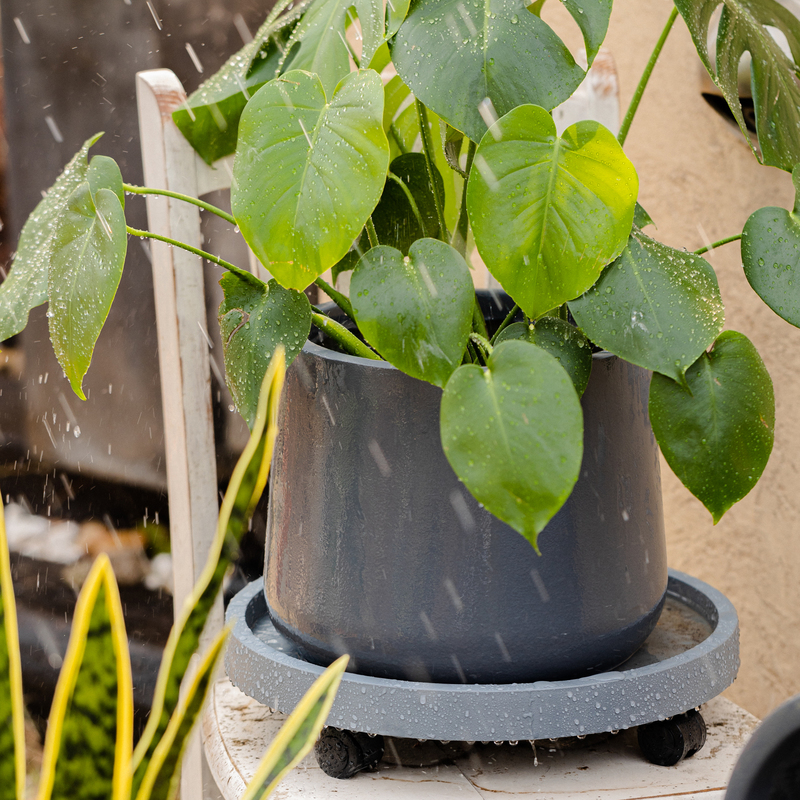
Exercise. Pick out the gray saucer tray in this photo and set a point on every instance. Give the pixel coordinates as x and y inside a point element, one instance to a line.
<point>691,657</point>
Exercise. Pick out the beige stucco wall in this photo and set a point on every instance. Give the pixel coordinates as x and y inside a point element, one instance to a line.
<point>696,172</point>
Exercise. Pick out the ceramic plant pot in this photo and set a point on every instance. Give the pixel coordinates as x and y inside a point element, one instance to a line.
<point>376,549</point>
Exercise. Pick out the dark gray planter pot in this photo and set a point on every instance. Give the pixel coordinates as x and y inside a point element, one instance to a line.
<point>375,548</point>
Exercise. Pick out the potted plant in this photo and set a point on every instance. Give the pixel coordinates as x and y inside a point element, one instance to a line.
<point>388,145</point>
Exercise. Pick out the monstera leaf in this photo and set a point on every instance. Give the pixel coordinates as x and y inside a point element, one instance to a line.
<point>744,28</point>
<point>717,433</point>
<point>454,55</point>
<point>309,171</point>
<point>88,254</point>
<point>563,341</point>
<point>26,284</point>
<point>549,212</point>
<point>654,306</point>
<point>318,42</point>
<point>415,311</point>
<point>518,449</point>
<point>771,256</point>
<point>253,321</point>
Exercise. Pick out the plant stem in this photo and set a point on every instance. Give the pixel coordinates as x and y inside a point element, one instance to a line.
<point>506,322</point>
<point>427,149</point>
<point>411,201</point>
<point>347,341</point>
<point>714,246</point>
<point>177,196</point>
<point>372,234</point>
<point>471,353</point>
<point>484,344</point>
<point>246,276</point>
<point>478,320</point>
<point>337,297</point>
<point>637,95</point>
<point>459,240</point>
<point>397,139</point>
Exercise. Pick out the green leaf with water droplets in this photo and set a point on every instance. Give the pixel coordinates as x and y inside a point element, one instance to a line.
<point>12,712</point>
<point>717,434</point>
<point>103,173</point>
<point>309,172</point>
<point>566,343</point>
<point>253,322</point>
<point>318,43</point>
<point>771,256</point>
<point>513,433</point>
<point>395,217</point>
<point>641,219</point>
<point>744,27</point>
<point>26,284</point>
<point>88,254</point>
<point>209,119</point>
<point>654,306</point>
<point>549,212</point>
<point>415,311</point>
<point>454,55</point>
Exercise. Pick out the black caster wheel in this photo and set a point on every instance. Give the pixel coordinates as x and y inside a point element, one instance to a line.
<point>342,754</point>
<point>668,742</point>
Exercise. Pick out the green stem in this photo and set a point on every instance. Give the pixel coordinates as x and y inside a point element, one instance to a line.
<point>721,242</point>
<point>471,356</point>
<point>459,240</point>
<point>478,320</point>
<point>482,342</point>
<point>246,276</point>
<point>372,234</point>
<point>346,340</point>
<point>427,149</point>
<point>411,201</point>
<point>177,196</point>
<point>637,95</point>
<point>506,322</point>
<point>398,140</point>
<point>337,297</point>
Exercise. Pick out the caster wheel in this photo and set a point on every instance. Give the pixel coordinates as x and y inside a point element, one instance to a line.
<point>342,754</point>
<point>666,743</point>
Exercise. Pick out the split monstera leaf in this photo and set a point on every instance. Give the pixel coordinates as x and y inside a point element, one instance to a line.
<point>389,177</point>
<point>88,751</point>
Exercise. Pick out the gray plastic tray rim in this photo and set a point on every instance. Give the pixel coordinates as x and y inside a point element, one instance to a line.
<point>610,701</point>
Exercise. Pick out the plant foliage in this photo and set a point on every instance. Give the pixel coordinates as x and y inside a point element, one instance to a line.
<point>393,147</point>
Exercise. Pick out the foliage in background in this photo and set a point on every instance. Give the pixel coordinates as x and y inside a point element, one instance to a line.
<point>88,749</point>
<point>398,145</point>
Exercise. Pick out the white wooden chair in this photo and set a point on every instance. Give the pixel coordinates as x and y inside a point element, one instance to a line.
<point>235,728</point>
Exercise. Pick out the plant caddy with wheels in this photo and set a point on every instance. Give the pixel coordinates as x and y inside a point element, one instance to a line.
<point>393,146</point>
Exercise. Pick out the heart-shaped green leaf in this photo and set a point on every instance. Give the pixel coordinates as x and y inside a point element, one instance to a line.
<point>320,38</point>
<point>209,118</point>
<point>718,435</point>
<point>454,55</point>
<point>641,219</point>
<point>549,212</point>
<point>103,173</point>
<point>86,266</point>
<point>415,311</point>
<point>654,306</point>
<point>253,321</point>
<point>744,27</point>
<point>407,211</point>
<point>771,256</point>
<point>513,433</point>
<point>25,287</point>
<point>308,172</point>
<point>563,341</point>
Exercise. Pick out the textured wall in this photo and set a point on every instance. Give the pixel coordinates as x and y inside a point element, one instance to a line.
<point>697,174</point>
